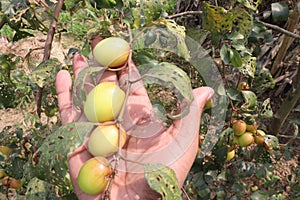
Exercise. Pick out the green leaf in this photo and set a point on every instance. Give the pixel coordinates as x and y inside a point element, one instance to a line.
<point>250,99</point>
<point>251,4</point>
<point>50,161</point>
<point>242,20</point>
<point>297,109</point>
<point>280,11</point>
<point>272,141</point>
<point>249,66</point>
<point>163,34</point>
<point>45,72</point>
<point>263,80</point>
<point>216,19</point>
<point>225,54</point>
<point>234,94</point>
<point>38,189</point>
<point>266,110</point>
<point>259,195</point>
<point>163,180</point>
<point>236,59</point>
<point>144,12</point>
<point>172,77</point>
<point>236,36</point>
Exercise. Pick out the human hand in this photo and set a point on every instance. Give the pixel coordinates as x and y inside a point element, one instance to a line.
<point>148,140</point>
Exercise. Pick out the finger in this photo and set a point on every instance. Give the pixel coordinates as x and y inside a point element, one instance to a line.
<point>190,124</point>
<point>75,162</point>
<point>79,63</point>
<point>139,108</point>
<point>63,86</point>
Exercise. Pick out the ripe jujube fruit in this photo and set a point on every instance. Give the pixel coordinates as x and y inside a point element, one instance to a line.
<point>243,86</point>
<point>112,52</point>
<point>104,102</point>
<point>239,127</point>
<point>94,175</point>
<point>246,139</point>
<point>252,127</point>
<point>11,182</point>
<point>259,137</point>
<point>104,140</point>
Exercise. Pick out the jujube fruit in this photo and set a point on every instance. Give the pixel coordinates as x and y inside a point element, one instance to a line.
<point>94,175</point>
<point>112,52</point>
<point>252,127</point>
<point>259,137</point>
<point>11,182</point>
<point>246,139</point>
<point>243,86</point>
<point>104,102</point>
<point>239,127</point>
<point>104,140</point>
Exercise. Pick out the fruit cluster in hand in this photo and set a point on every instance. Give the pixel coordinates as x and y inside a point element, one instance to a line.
<point>244,136</point>
<point>103,105</point>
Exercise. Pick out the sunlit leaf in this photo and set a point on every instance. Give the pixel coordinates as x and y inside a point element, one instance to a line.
<point>163,180</point>
<point>251,4</point>
<point>45,72</point>
<point>249,66</point>
<point>242,21</point>
<point>216,19</point>
<point>265,109</point>
<point>49,163</point>
<point>259,195</point>
<point>272,141</point>
<point>250,99</point>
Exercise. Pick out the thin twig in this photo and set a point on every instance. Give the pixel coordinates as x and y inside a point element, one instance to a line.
<point>185,193</point>
<point>185,13</point>
<point>279,29</point>
<point>47,52</point>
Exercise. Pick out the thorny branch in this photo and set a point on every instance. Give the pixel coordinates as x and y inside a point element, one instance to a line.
<point>47,51</point>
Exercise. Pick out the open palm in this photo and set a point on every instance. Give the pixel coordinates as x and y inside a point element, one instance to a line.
<point>148,140</point>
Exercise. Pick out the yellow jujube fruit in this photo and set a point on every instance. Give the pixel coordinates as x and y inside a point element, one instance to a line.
<point>104,140</point>
<point>104,102</point>
<point>112,52</point>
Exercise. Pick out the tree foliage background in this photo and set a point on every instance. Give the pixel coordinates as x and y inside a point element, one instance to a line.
<point>256,42</point>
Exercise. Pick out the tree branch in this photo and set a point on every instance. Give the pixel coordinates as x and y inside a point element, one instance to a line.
<point>3,22</point>
<point>185,13</point>
<point>47,51</point>
<point>286,107</point>
<point>279,29</point>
